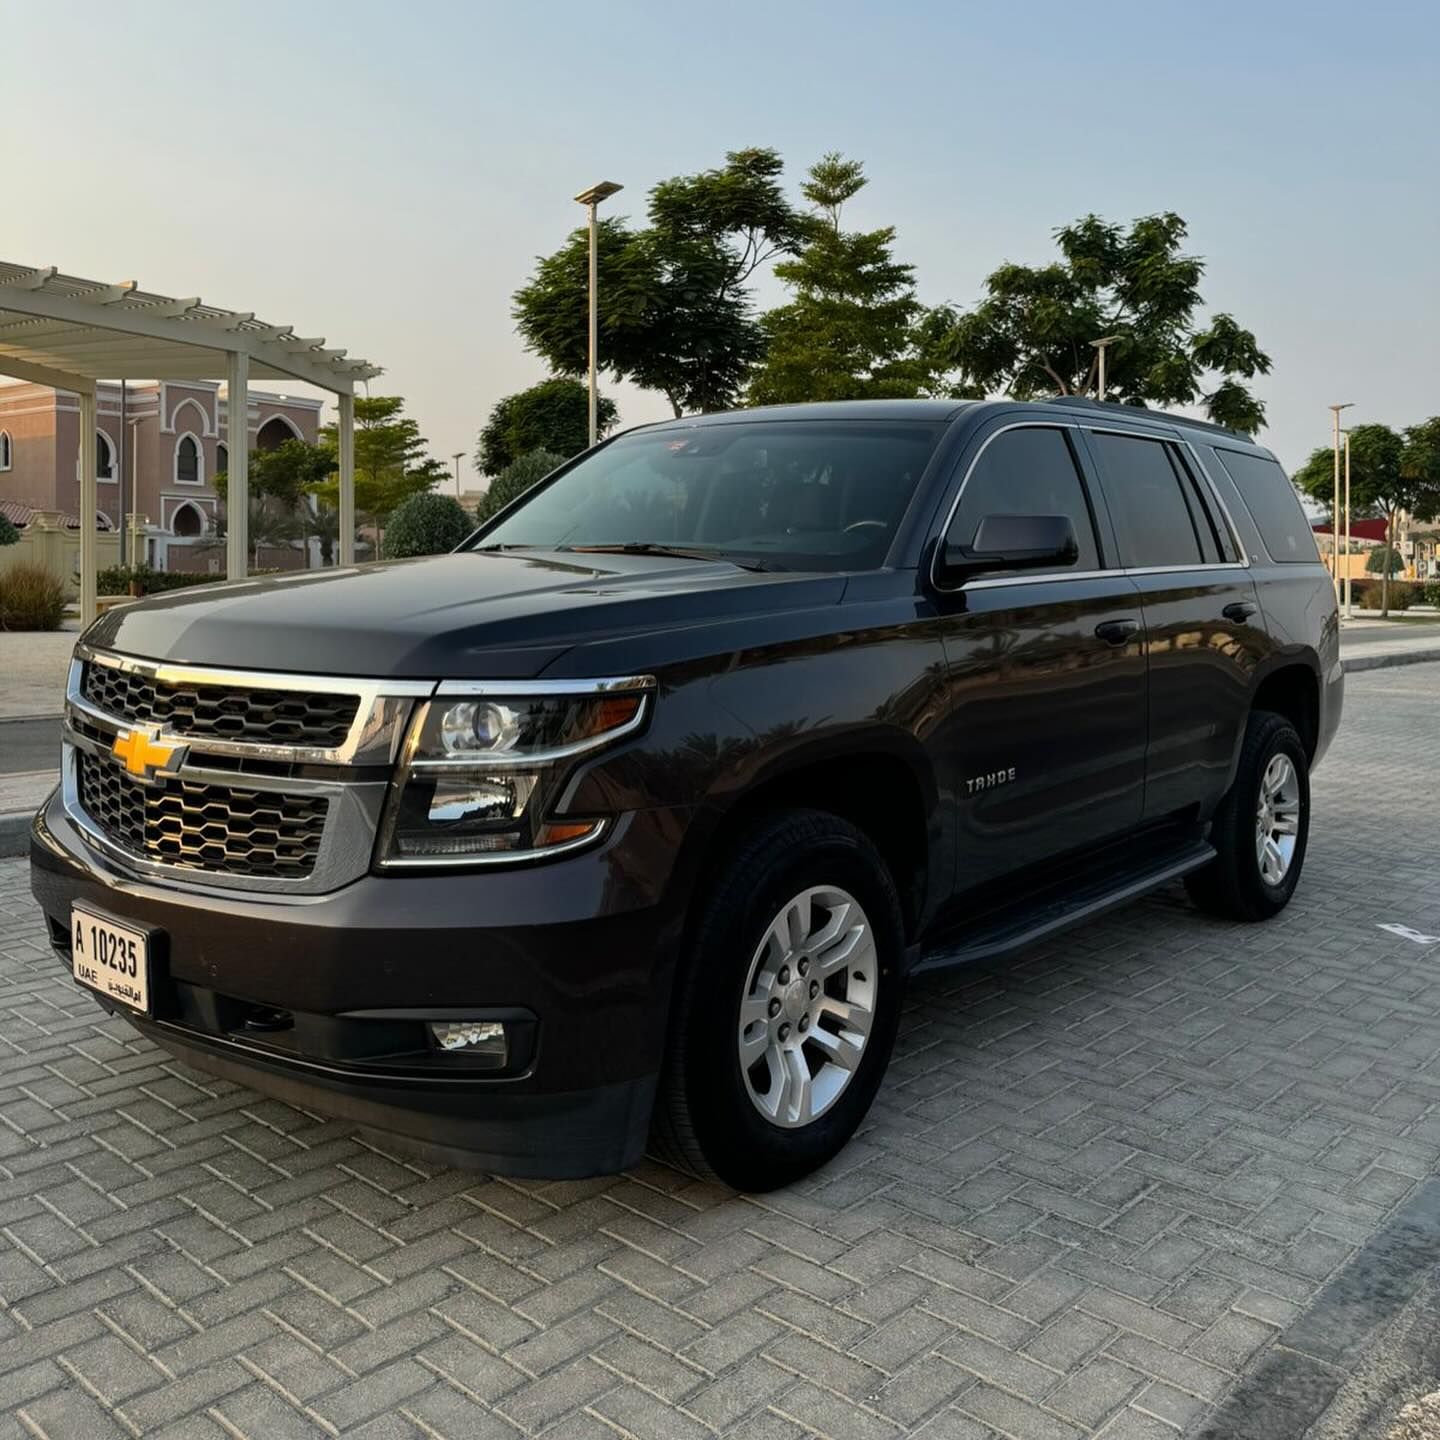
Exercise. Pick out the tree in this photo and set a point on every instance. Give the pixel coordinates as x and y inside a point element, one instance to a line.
<point>391,459</point>
<point>515,479</point>
<point>280,483</point>
<point>1377,483</point>
<point>1385,560</point>
<point>9,535</point>
<point>427,524</point>
<point>1031,335</point>
<point>674,311</point>
<point>553,415</point>
<point>848,332</point>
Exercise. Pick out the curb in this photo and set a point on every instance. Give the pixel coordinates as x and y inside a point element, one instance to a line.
<point>1388,661</point>
<point>15,834</point>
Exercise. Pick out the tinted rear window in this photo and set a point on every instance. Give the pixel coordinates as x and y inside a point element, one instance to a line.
<point>1273,504</point>
<point>1154,519</point>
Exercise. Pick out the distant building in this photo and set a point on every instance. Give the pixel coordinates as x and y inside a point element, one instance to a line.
<point>175,438</point>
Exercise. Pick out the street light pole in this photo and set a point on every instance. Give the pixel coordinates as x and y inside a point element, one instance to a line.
<point>1335,508</point>
<point>591,199</point>
<point>1348,582</point>
<point>457,457</point>
<point>1100,346</point>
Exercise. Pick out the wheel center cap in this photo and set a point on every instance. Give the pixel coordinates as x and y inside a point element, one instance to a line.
<point>795,998</point>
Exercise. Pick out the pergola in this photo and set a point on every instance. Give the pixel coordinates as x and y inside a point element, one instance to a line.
<point>68,333</point>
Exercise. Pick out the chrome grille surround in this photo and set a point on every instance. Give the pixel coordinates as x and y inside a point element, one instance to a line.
<point>235,813</point>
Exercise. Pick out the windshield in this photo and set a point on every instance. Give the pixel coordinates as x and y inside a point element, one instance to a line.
<point>788,494</point>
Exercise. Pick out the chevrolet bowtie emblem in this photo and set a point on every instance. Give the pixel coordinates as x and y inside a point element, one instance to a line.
<point>145,753</point>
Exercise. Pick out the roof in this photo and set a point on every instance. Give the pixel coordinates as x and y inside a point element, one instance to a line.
<point>827,410</point>
<point>55,328</point>
<point>19,514</point>
<point>1359,529</point>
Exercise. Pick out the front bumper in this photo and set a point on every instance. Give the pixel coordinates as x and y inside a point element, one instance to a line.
<point>322,1000</point>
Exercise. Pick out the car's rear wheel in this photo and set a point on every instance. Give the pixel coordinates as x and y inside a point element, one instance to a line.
<point>788,1004</point>
<point>1262,828</point>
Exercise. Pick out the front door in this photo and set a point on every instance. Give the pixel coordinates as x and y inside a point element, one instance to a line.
<point>1045,687</point>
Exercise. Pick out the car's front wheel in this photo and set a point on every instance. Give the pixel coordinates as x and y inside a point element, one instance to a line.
<point>788,1004</point>
<point>1262,827</point>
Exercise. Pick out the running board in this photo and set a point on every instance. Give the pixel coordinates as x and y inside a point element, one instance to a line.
<point>995,935</point>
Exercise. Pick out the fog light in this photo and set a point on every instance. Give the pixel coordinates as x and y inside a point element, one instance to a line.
<point>479,1038</point>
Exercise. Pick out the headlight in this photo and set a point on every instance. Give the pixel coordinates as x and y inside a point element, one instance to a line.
<point>483,766</point>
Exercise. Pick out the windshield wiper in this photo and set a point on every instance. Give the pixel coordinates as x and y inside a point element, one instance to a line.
<point>477,549</point>
<point>679,552</point>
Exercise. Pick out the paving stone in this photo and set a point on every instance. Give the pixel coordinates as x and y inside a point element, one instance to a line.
<point>1101,1182</point>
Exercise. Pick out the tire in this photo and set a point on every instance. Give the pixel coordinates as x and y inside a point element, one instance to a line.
<point>1238,884</point>
<point>742,961</point>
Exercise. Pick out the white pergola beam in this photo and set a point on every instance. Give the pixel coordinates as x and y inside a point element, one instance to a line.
<point>237,488</point>
<point>345,433</point>
<point>89,546</point>
<point>18,369</point>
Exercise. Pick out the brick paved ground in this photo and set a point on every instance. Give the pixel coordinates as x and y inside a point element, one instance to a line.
<point>1096,1185</point>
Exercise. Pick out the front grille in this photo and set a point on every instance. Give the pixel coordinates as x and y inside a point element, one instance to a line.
<point>230,830</point>
<point>271,717</point>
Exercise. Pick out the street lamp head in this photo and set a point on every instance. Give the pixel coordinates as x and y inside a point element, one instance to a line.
<point>1105,340</point>
<point>1348,405</point>
<point>596,193</point>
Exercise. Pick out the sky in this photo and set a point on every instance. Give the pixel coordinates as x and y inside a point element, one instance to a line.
<point>385,175</point>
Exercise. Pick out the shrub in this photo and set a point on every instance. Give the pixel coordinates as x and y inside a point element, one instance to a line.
<point>1432,593</point>
<point>9,535</point>
<point>515,479</point>
<point>115,579</point>
<point>425,524</point>
<point>31,598</point>
<point>1378,557</point>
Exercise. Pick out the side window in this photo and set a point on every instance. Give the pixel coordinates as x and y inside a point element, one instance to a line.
<point>1209,517</point>
<point>1155,518</point>
<point>1030,471</point>
<point>1273,505</point>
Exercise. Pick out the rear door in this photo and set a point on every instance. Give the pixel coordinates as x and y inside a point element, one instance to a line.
<point>1044,690</point>
<point>1204,634</point>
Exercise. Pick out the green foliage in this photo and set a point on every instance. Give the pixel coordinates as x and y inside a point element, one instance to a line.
<point>515,479</point>
<point>9,535</point>
<point>1031,335</point>
<point>553,415</point>
<point>115,579</point>
<point>280,482</point>
<point>392,460</point>
<point>426,524</point>
<point>674,312</point>
<point>31,598</point>
<point>1376,564</point>
<point>849,330</point>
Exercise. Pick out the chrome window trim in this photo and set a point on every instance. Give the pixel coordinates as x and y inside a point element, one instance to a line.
<point>1053,576</point>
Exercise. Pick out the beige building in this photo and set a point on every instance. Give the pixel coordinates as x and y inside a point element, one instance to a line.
<point>158,447</point>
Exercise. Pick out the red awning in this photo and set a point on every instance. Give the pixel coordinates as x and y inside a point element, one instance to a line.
<point>1359,529</point>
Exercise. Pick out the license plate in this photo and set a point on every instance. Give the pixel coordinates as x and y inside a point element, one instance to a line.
<point>113,959</point>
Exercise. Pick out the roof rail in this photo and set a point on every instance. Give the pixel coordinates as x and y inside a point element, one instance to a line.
<point>1132,412</point>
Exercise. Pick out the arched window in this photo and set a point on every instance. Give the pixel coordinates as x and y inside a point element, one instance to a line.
<point>222,457</point>
<point>187,520</point>
<point>188,461</point>
<point>104,457</point>
<point>275,432</point>
<point>4,449</point>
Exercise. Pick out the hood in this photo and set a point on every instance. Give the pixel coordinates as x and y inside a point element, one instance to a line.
<point>466,615</point>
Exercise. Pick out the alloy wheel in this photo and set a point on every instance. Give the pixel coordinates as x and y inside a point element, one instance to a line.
<point>1277,819</point>
<point>808,1006</point>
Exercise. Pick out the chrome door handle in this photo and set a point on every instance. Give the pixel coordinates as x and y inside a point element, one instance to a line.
<point>1239,611</point>
<point>1116,632</point>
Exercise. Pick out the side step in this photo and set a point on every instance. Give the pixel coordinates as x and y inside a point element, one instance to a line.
<point>1028,920</point>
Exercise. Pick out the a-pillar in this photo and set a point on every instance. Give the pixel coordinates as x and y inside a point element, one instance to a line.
<point>237,490</point>
<point>346,432</point>
<point>89,521</point>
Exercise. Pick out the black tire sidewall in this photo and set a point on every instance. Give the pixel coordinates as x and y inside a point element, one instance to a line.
<point>740,1145</point>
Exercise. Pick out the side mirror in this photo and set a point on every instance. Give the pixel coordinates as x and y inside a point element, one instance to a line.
<point>1011,542</point>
